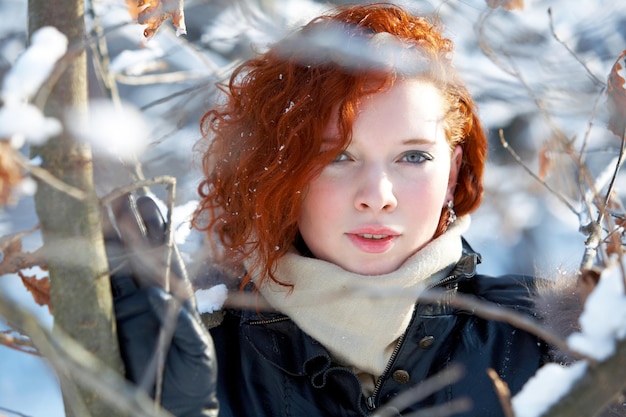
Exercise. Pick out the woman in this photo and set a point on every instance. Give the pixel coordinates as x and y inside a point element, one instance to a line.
<point>340,179</point>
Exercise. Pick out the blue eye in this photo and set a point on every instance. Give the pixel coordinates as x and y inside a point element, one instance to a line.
<point>343,156</point>
<point>416,157</point>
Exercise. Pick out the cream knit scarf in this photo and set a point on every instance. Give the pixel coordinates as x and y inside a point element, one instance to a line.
<point>358,318</point>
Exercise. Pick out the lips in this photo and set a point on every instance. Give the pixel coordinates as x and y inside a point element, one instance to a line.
<point>373,239</point>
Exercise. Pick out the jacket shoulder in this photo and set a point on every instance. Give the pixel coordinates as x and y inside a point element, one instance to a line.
<point>515,291</point>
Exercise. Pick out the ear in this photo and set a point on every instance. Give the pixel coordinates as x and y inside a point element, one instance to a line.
<point>455,167</point>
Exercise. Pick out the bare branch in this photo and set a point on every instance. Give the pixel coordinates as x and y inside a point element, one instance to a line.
<point>48,178</point>
<point>406,398</point>
<point>503,391</point>
<point>595,79</point>
<point>20,342</point>
<point>459,405</point>
<point>473,305</point>
<point>13,412</point>
<point>517,158</point>
<point>491,311</point>
<point>118,192</point>
<point>71,359</point>
<point>164,78</point>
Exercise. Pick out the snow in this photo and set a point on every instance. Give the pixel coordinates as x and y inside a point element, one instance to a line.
<point>603,320</point>
<point>23,122</point>
<point>134,62</point>
<point>120,131</point>
<point>211,299</point>
<point>34,67</point>
<point>181,219</point>
<point>548,385</point>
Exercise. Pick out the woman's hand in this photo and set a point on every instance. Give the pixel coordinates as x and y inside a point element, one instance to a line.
<point>157,329</point>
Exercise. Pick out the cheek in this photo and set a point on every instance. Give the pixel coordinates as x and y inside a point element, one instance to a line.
<point>423,195</point>
<point>317,203</point>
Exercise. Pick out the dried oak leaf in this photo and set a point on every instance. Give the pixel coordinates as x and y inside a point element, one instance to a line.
<point>546,162</point>
<point>616,94</point>
<point>506,4</point>
<point>154,12</point>
<point>10,172</point>
<point>39,289</point>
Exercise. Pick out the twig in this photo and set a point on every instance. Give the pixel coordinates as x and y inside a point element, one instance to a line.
<point>484,46</point>
<point>102,59</point>
<point>174,95</point>
<point>473,305</point>
<point>164,78</point>
<point>18,414</point>
<point>456,406</point>
<point>406,398</point>
<point>12,259</point>
<point>583,149</point>
<point>595,79</point>
<point>48,178</point>
<point>517,158</point>
<point>21,343</point>
<point>71,359</point>
<point>167,331</point>
<point>503,391</point>
<point>118,192</point>
<point>491,311</point>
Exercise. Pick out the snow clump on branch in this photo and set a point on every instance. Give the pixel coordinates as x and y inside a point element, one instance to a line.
<point>19,120</point>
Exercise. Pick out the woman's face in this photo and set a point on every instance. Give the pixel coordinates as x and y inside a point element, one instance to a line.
<point>381,199</point>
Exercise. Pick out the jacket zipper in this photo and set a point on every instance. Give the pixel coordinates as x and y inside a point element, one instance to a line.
<point>441,282</point>
<point>269,321</point>
<point>371,400</point>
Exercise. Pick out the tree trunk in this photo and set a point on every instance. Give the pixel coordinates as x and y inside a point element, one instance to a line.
<point>71,228</point>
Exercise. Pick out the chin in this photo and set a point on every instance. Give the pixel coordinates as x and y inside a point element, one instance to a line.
<point>371,270</point>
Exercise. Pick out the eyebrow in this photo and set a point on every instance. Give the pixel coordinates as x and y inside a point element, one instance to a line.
<point>418,141</point>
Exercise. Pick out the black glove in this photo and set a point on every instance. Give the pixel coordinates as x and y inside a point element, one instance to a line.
<point>137,256</point>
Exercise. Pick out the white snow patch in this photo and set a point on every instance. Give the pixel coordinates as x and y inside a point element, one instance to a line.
<point>120,131</point>
<point>211,299</point>
<point>181,221</point>
<point>603,320</point>
<point>34,66</point>
<point>181,217</point>
<point>549,384</point>
<point>137,62</point>
<point>22,122</point>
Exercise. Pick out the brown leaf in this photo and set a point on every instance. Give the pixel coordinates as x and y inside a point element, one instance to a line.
<point>10,245</point>
<point>587,282</point>
<point>154,12</point>
<point>10,172</point>
<point>546,163</point>
<point>39,288</point>
<point>506,4</point>
<point>616,92</point>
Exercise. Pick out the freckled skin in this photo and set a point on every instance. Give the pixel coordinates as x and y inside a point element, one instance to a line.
<point>381,200</point>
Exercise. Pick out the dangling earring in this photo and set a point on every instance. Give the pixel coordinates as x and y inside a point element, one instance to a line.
<point>451,213</point>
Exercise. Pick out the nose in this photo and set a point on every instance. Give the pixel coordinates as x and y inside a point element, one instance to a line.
<point>375,191</point>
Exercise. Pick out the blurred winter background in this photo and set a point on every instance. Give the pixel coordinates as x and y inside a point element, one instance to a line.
<point>524,79</point>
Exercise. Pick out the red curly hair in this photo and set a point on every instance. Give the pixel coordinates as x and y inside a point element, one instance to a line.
<point>264,142</point>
